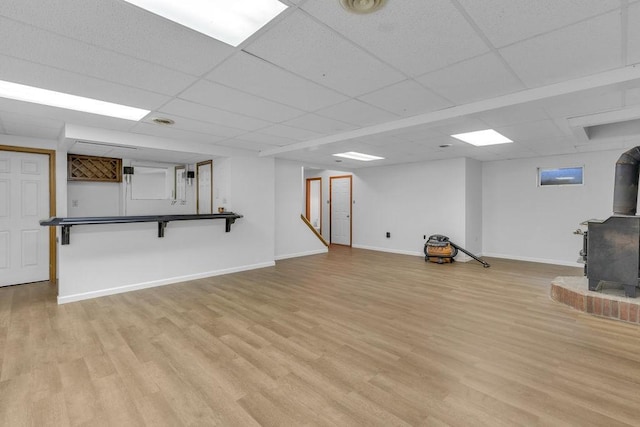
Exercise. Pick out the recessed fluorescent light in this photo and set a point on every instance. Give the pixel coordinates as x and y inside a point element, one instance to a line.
<point>230,21</point>
<point>358,156</point>
<point>70,102</point>
<point>483,137</point>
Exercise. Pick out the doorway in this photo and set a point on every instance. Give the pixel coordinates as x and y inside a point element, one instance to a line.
<point>314,203</point>
<point>204,187</point>
<point>340,209</point>
<point>27,195</point>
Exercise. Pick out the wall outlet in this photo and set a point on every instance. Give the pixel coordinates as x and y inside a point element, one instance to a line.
<point>74,203</point>
<point>388,235</point>
<point>424,237</point>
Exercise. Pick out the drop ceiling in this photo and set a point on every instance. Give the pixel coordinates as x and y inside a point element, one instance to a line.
<point>318,80</point>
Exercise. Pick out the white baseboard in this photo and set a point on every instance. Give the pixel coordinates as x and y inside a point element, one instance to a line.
<point>464,258</point>
<point>392,251</point>
<point>299,254</point>
<point>162,282</point>
<point>539,260</point>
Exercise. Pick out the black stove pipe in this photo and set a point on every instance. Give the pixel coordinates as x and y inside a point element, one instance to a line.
<point>625,190</point>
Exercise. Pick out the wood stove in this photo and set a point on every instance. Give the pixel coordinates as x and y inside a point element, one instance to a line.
<point>611,249</point>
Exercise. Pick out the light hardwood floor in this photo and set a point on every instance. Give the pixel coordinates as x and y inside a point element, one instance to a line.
<point>352,337</point>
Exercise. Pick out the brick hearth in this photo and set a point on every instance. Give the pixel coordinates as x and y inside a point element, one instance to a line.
<point>610,302</point>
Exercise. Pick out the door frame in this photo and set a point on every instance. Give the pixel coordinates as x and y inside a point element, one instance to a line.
<point>53,249</point>
<point>331,178</point>
<point>210,162</point>
<point>308,193</point>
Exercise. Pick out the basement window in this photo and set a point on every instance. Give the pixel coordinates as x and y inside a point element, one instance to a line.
<point>560,176</point>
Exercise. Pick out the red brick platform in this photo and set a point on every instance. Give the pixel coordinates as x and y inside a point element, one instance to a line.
<point>610,302</point>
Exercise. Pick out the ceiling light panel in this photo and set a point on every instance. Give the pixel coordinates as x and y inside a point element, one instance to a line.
<point>52,98</point>
<point>483,137</point>
<point>230,21</point>
<point>358,156</point>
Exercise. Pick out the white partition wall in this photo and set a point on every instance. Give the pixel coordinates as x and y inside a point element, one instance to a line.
<point>107,259</point>
<point>293,237</point>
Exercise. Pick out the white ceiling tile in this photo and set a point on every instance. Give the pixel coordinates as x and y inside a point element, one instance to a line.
<point>262,138</point>
<point>579,50</point>
<point>583,103</point>
<point>253,75</point>
<point>182,108</point>
<point>512,115</point>
<point>633,38</point>
<point>299,44</point>
<point>406,98</point>
<point>632,96</point>
<point>413,35</point>
<point>113,51</point>
<point>553,149</point>
<point>481,77</point>
<point>458,125</point>
<point>31,44</point>
<point>46,113</point>
<point>414,133</point>
<point>32,74</point>
<point>405,147</point>
<point>172,133</point>
<point>381,140</point>
<point>225,98</point>
<point>183,123</point>
<point>544,130</point>
<point>290,132</point>
<point>357,113</point>
<point>508,21</point>
<point>245,145</point>
<point>319,124</point>
<point>124,28</point>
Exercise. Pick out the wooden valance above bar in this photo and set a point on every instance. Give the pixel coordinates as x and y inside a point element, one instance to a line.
<point>162,220</point>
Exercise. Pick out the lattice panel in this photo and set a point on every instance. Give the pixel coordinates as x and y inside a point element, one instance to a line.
<point>91,168</point>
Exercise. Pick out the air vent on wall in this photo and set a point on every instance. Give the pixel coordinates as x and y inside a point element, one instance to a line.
<point>80,144</point>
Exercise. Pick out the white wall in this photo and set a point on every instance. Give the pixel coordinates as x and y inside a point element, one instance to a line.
<point>221,184</point>
<point>524,221</point>
<point>93,198</point>
<point>315,203</point>
<point>112,199</point>
<point>473,207</point>
<point>293,236</point>
<point>409,201</point>
<point>107,259</point>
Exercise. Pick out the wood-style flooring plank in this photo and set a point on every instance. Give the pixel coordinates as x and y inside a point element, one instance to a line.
<point>351,337</point>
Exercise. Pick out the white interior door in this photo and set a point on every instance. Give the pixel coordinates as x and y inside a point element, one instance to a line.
<point>341,210</point>
<point>24,201</point>
<point>205,183</point>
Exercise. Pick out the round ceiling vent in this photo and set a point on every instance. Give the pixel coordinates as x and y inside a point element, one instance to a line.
<point>362,6</point>
<point>162,121</point>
